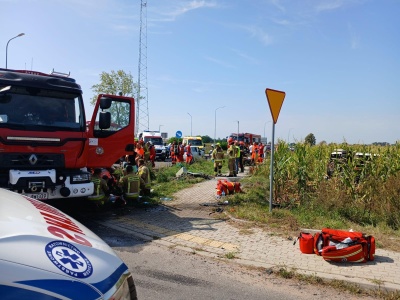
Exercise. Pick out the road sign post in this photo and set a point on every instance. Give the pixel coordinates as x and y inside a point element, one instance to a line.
<point>275,100</point>
<point>178,134</point>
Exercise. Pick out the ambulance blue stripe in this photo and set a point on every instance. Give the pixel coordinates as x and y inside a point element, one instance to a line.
<point>109,282</point>
<point>68,288</point>
<point>15,293</point>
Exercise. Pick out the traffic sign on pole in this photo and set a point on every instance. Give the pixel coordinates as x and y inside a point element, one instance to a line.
<point>178,134</point>
<point>275,99</point>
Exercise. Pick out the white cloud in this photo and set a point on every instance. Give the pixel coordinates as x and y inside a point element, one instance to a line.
<point>278,4</point>
<point>245,56</point>
<point>328,5</point>
<point>354,38</point>
<point>183,7</point>
<point>259,34</point>
<point>219,62</point>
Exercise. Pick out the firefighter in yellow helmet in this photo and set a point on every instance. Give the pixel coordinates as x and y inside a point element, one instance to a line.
<point>130,184</point>
<point>232,154</point>
<point>145,181</point>
<point>217,157</point>
<point>101,191</point>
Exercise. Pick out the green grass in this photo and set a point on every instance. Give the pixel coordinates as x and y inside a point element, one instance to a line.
<point>166,183</point>
<point>303,197</point>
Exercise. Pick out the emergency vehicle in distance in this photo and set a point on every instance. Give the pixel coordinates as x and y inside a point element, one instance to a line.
<point>156,139</point>
<point>248,138</point>
<point>194,141</point>
<point>46,144</point>
<point>46,254</point>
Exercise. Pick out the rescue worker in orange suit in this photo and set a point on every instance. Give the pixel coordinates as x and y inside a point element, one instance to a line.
<point>172,153</point>
<point>189,155</point>
<point>232,153</point>
<point>139,152</point>
<point>260,153</point>
<point>254,154</point>
<point>181,151</point>
<point>152,151</point>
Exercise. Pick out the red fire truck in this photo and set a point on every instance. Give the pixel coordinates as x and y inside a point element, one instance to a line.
<point>248,138</point>
<point>46,146</point>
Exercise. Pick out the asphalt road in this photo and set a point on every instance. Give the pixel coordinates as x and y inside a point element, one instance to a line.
<point>162,272</point>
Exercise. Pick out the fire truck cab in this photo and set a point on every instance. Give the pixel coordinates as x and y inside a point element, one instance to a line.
<point>46,146</point>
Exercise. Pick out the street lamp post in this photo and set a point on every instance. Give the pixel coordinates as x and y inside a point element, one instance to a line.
<point>215,124</point>
<point>191,134</point>
<point>264,130</point>
<point>288,136</point>
<point>159,128</point>
<point>21,34</point>
<point>238,131</point>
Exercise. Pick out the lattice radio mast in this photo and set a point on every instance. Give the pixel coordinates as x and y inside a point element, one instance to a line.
<point>142,104</point>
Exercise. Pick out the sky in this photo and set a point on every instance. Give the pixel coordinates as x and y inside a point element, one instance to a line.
<point>210,61</point>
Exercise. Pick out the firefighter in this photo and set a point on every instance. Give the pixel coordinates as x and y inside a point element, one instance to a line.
<point>101,190</point>
<point>217,156</point>
<point>237,162</point>
<point>144,175</point>
<point>146,149</point>
<point>232,152</point>
<point>242,148</point>
<point>130,185</point>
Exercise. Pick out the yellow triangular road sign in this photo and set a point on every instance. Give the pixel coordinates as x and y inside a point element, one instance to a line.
<point>275,100</point>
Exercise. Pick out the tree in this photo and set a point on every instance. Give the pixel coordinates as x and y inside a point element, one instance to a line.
<point>116,83</point>
<point>206,139</point>
<point>310,139</point>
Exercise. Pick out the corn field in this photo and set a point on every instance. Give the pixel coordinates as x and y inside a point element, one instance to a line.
<point>366,192</point>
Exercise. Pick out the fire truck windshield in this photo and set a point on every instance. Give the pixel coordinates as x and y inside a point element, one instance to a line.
<point>26,108</point>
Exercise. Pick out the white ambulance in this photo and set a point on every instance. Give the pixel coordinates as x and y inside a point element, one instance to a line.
<point>45,254</point>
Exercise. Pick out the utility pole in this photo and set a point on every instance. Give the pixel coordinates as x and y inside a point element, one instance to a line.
<point>142,102</point>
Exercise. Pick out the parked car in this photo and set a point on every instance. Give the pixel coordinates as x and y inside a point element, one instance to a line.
<point>197,152</point>
<point>46,254</point>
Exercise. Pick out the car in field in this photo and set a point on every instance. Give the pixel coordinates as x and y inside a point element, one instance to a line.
<point>361,159</point>
<point>45,254</point>
<point>337,158</point>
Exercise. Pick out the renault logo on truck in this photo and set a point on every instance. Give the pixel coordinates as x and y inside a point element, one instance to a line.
<point>33,159</point>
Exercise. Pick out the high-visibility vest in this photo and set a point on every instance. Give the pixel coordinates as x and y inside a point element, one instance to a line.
<point>147,183</point>
<point>232,151</point>
<point>238,152</point>
<point>218,156</point>
<point>98,193</point>
<point>133,188</point>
